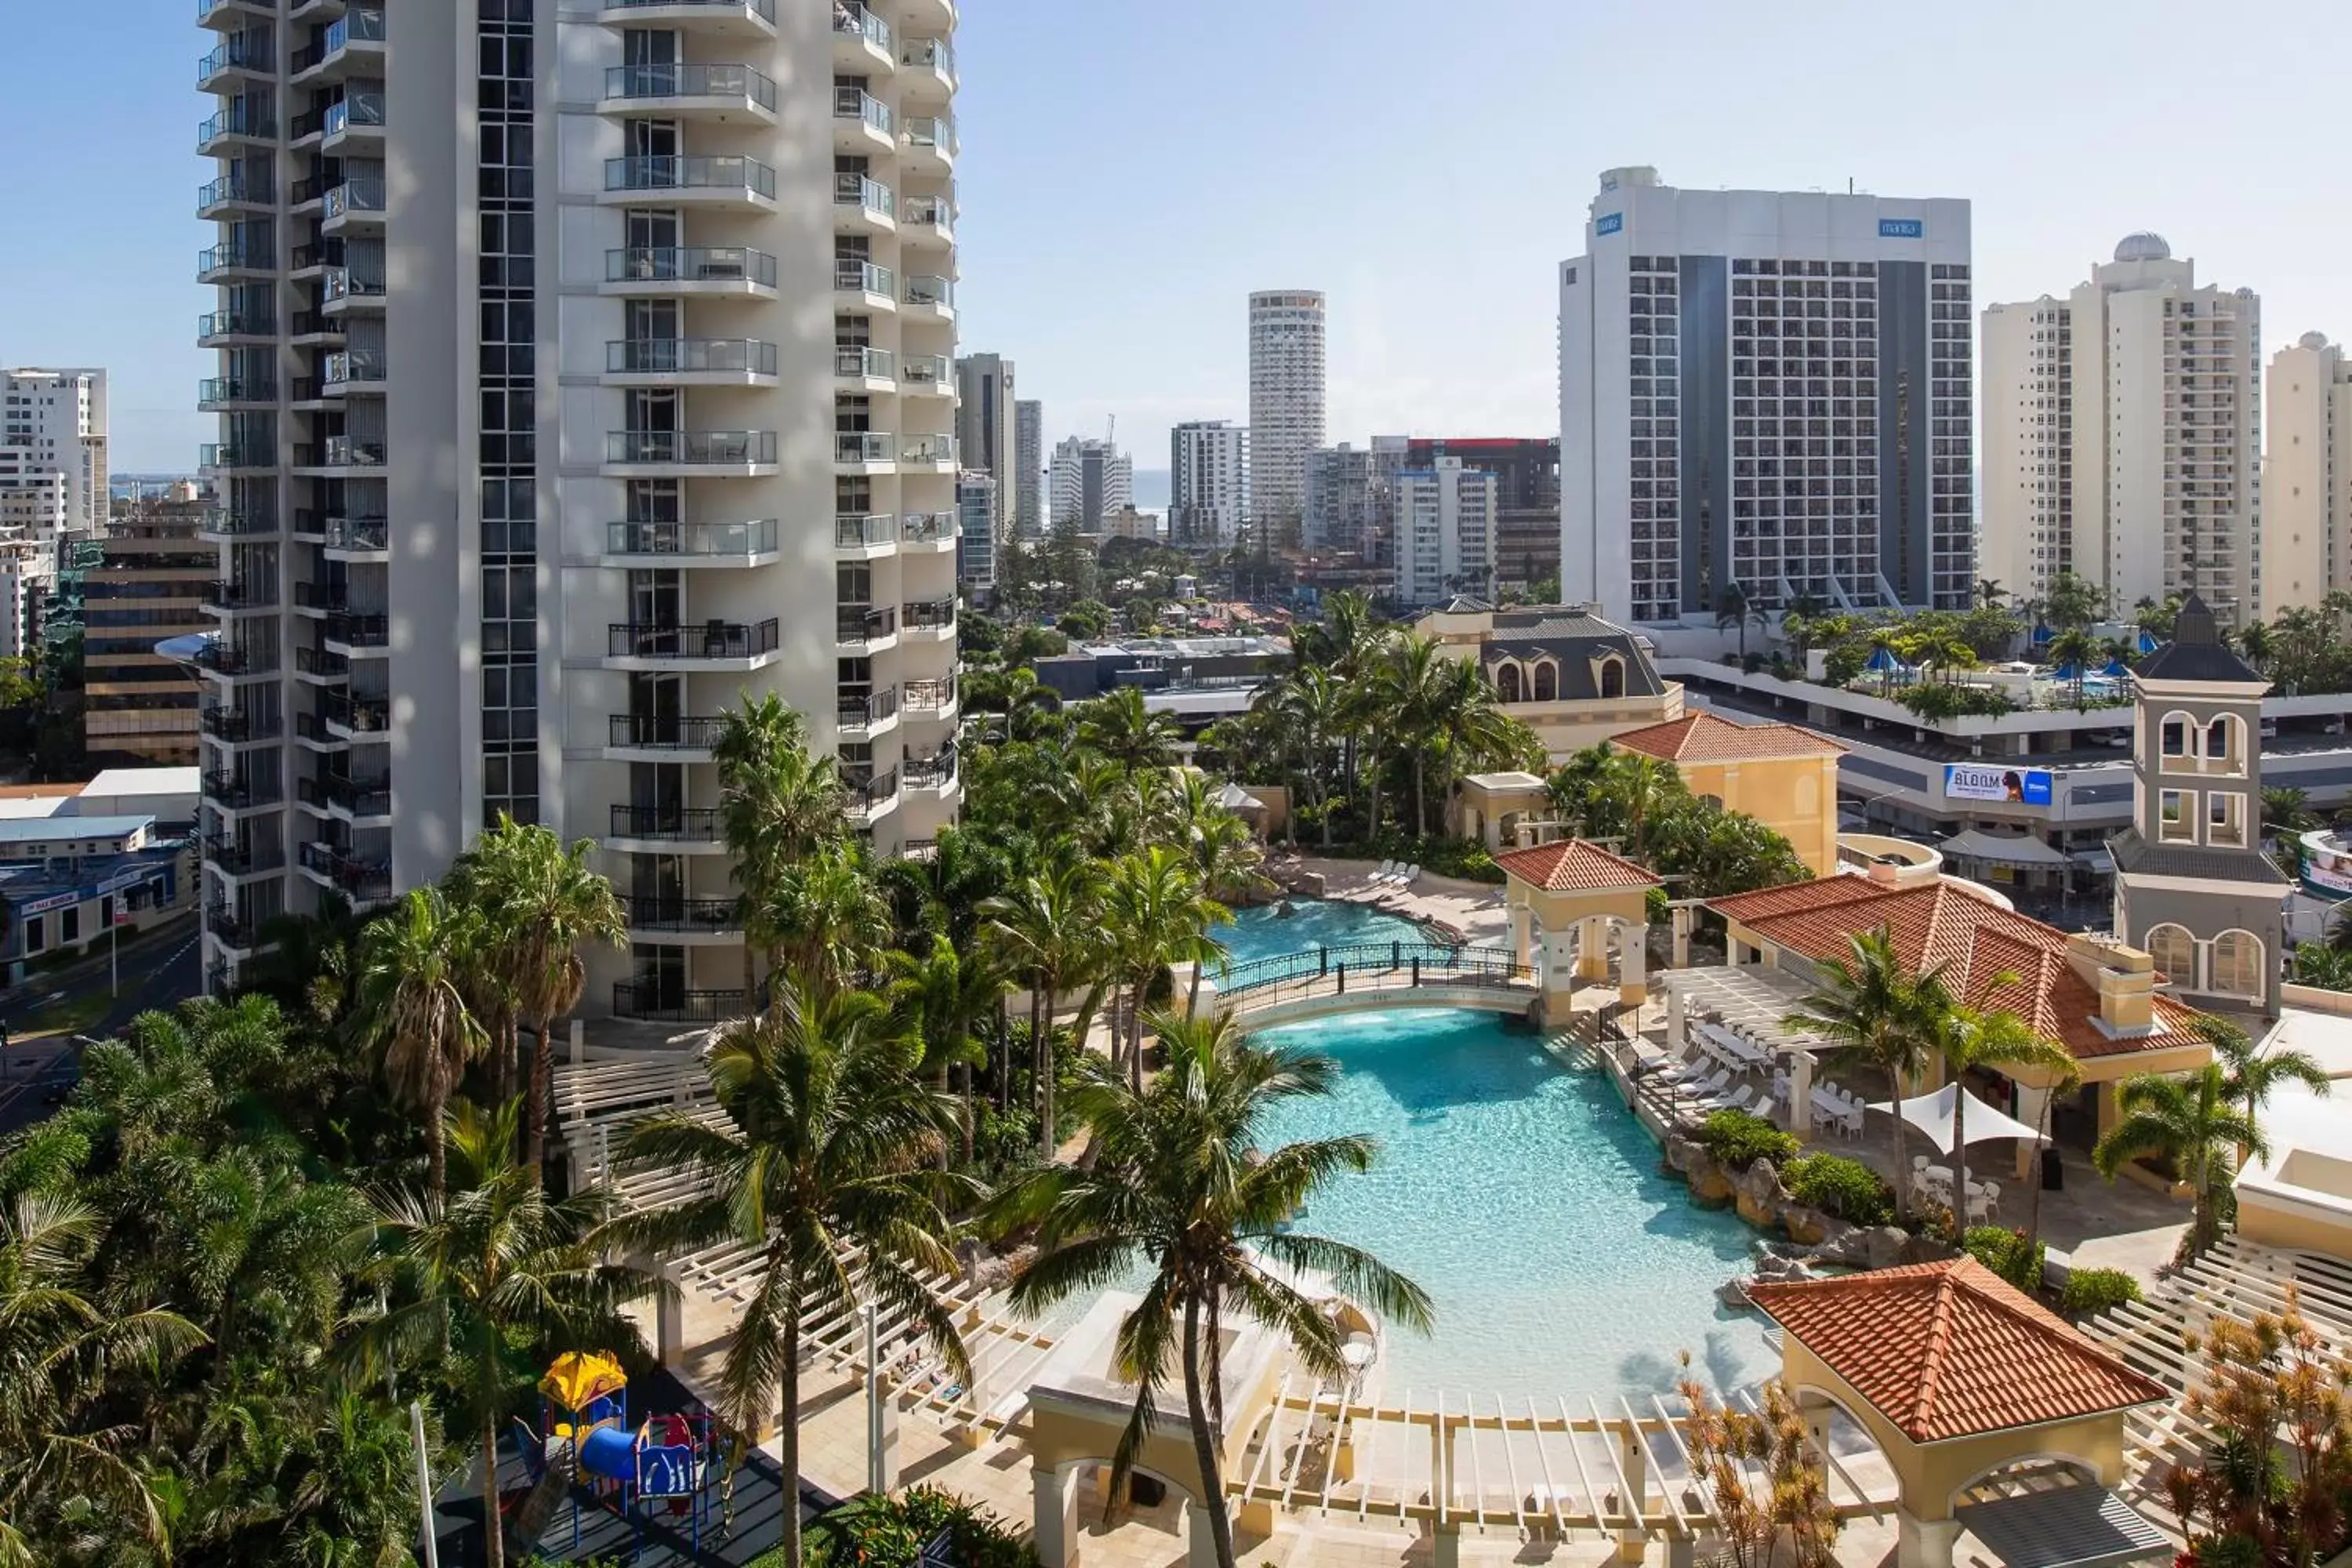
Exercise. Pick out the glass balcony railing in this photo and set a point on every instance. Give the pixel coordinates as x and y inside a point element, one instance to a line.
<point>939,293</point>
<point>690,264</point>
<point>239,119</point>
<point>671,173</point>
<point>863,530</point>
<point>734,82</point>
<point>725,448</point>
<point>934,131</point>
<point>928,371</point>
<point>862,446</point>
<point>361,108</point>
<point>763,9</point>
<point>231,256</point>
<point>358,533</point>
<point>928,449</point>
<point>862,364</point>
<point>362,715</point>
<point>236,324</point>
<point>251,189</point>
<point>355,365</point>
<point>705,640</point>
<point>351,452</point>
<point>854,190</point>
<point>230,455</point>
<point>360,25</point>
<point>852,276</point>
<point>690,356</point>
<point>664,732</point>
<point>928,212</point>
<point>338,283</point>
<point>225,389</point>
<point>365,195</point>
<point>927,527</point>
<point>855,21</point>
<point>689,824</point>
<point>233,525</point>
<point>856,103</point>
<point>930,54</point>
<point>253,593</point>
<point>691,538</point>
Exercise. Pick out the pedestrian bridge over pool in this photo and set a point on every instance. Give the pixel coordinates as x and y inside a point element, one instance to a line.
<point>1316,982</point>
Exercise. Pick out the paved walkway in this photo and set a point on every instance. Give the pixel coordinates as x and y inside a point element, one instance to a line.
<point>1473,909</point>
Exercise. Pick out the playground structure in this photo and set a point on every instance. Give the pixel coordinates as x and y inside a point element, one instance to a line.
<point>585,1440</point>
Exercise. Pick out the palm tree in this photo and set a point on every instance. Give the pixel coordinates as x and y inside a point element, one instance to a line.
<point>1989,593</point>
<point>1176,1179</point>
<point>1049,924</point>
<point>1642,789</point>
<point>412,1006</point>
<point>825,1153</point>
<point>1121,728</point>
<point>58,1423</point>
<point>1225,855</point>
<point>2286,810</point>
<point>2250,1073</point>
<point>1869,1008</point>
<point>2254,641</point>
<point>776,804</point>
<point>1313,706</point>
<point>2074,648</point>
<point>1733,608</point>
<point>2189,1122</point>
<point>491,1263</point>
<point>1414,685</point>
<point>1967,1038</point>
<point>541,901</point>
<point>825,916</point>
<point>943,995</point>
<point>1469,728</point>
<point>1155,915</point>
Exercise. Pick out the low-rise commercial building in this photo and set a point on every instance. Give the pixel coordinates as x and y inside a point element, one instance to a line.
<point>1561,669</point>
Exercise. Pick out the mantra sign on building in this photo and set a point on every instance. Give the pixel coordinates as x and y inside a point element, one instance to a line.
<point>1973,781</point>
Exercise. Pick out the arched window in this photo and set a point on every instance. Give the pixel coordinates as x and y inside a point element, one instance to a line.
<point>1612,678</point>
<point>1548,681</point>
<point>2225,740</point>
<point>2175,951</point>
<point>2237,965</point>
<point>1809,795</point>
<point>2176,731</point>
<point>1507,682</point>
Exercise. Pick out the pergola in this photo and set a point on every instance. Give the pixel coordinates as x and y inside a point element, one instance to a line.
<point>1750,1000</point>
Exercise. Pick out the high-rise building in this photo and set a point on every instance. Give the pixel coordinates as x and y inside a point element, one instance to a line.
<point>1526,498</point>
<point>1029,463</point>
<point>155,579</point>
<point>2306,475</point>
<point>1285,358</point>
<point>53,464</point>
<point>635,239</point>
<point>985,440</point>
<point>1208,484</point>
<point>1770,389</point>
<point>1444,532</point>
<point>977,531</point>
<point>2124,437</point>
<point>1091,480</point>
<point>1349,498</point>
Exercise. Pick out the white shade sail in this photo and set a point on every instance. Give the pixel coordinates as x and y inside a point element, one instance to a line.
<point>1932,1114</point>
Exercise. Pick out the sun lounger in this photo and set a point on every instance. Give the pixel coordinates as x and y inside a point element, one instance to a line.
<point>1408,876</point>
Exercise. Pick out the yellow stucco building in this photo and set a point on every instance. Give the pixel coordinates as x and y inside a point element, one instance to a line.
<point>1783,777</point>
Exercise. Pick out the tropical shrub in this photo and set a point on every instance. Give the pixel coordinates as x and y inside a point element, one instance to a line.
<point>2008,1253</point>
<point>891,1531</point>
<point>1836,1184</point>
<point>1738,1140</point>
<point>1934,701</point>
<point>2090,1291</point>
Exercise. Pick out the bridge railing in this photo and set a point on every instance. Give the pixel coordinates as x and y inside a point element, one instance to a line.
<point>1383,965</point>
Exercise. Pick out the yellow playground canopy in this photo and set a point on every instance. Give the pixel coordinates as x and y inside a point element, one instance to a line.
<point>577,1378</point>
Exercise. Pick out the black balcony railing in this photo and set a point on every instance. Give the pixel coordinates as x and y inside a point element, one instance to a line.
<point>356,630</point>
<point>362,880</point>
<point>226,923</point>
<point>869,791</point>
<point>360,715</point>
<point>708,639</point>
<point>694,823</point>
<point>931,773</point>
<point>680,915</point>
<point>654,1002</point>
<point>358,797</point>
<point>247,596</point>
<point>239,794</point>
<point>854,624</point>
<point>244,860</point>
<point>928,614</point>
<point>236,724</point>
<point>321,253</point>
<point>227,659</point>
<point>666,732</point>
<point>864,712</point>
<point>322,662</point>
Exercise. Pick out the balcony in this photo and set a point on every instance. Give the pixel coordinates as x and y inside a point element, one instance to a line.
<point>654,1002</point>
<point>726,185</point>
<point>236,727</point>
<point>233,262</point>
<point>236,932</point>
<point>926,220</point>
<point>687,544</point>
<point>218,458</point>
<point>935,452</point>
<point>227,598</point>
<point>248,859</point>
<point>866,370</point>
<point>861,533</point>
<point>353,799</point>
<point>347,453</point>
<point>861,122</point>
<point>931,67</point>
<point>343,292</point>
<point>929,699</point>
<point>718,93</point>
<point>864,451</point>
<point>928,146</point>
<point>869,714</point>
<point>316,257</point>
<point>361,538</point>
<point>716,645</point>
<point>320,667</point>
<point>862,626</point>
<point>239,123</point>
<point>934,618</point>
<point>663,824</point>
<point>685,272</point>
<point>929,375</point>
<point>861,40</point>
<point>877,286</point>
<point>358,630</point>
<point>221,522</point>
<point>684,916</point>
<point>869,794</point>
<point>355,207</point>
<point>937,530</point>
<point>234,194</point>
<point>221,393</point>
<point>310,329</point>
<point>352,718</point>
<point>716,18</point>
<point>862,205</point>
<point>665,454</point>
<point>231,329</point>
<point>690,362</point>
<point>931,298</point>
<point>931,774</point>
<point>359,118</point>
<point>357,370</point>
<point>674,736</point>
<point>353,41</point>
<point>361,881</point>
<point>219,15</point>
<point>233,792</point>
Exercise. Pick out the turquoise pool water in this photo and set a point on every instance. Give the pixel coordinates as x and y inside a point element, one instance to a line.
<point>1528,1204</point>
<point>1314,922</point>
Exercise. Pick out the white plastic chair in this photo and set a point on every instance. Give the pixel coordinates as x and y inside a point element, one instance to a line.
<point>1388,869</point>
<point>1408,876</point>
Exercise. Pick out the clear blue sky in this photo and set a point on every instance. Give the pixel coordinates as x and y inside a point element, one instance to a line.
<point>1131,172</point>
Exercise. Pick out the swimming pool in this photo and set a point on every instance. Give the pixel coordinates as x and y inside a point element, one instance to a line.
<point>1262,933</point>
<point>1528,1202</point>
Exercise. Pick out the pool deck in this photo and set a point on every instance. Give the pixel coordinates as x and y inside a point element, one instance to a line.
<point>1473,909</point>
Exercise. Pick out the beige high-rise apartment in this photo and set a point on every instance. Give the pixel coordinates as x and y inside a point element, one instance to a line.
<point>583,368</point>
<point>2307,476</point>
<point>1286,358</point>
<point>2122,437</point>
<point>53,450</point>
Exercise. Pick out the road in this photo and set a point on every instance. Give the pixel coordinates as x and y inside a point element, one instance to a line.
<point>34,1071</point>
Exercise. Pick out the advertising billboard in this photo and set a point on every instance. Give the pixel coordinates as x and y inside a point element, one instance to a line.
<point>1977,781</point>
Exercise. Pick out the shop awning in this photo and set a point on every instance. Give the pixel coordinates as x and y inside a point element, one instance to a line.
<point>1973,845</point>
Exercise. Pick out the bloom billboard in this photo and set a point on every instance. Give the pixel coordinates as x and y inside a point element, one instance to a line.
<point>1974,781</point>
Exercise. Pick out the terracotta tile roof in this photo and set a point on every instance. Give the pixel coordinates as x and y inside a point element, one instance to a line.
<point>1707,738</point>
<point>38,790</point>
<point>1976,942</point>
<point>1951,1350</point>
<point>1572,866</point>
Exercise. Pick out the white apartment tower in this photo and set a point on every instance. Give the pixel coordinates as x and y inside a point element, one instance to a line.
<point>1286,358</point>
<point>1444,533</point>
<point>2124,437</point>
<point>549,337</point>
<point>1208,484</point>
<point>53,467</point>
<point>1029,468</point>
<point>985,438</point>
<point>1765,388</point>
<point>1091,480</point>
<point>2307,476</point>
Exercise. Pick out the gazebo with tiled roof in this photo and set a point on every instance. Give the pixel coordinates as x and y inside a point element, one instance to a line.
<point>1567,899</point>
<point>1956,1376</point>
